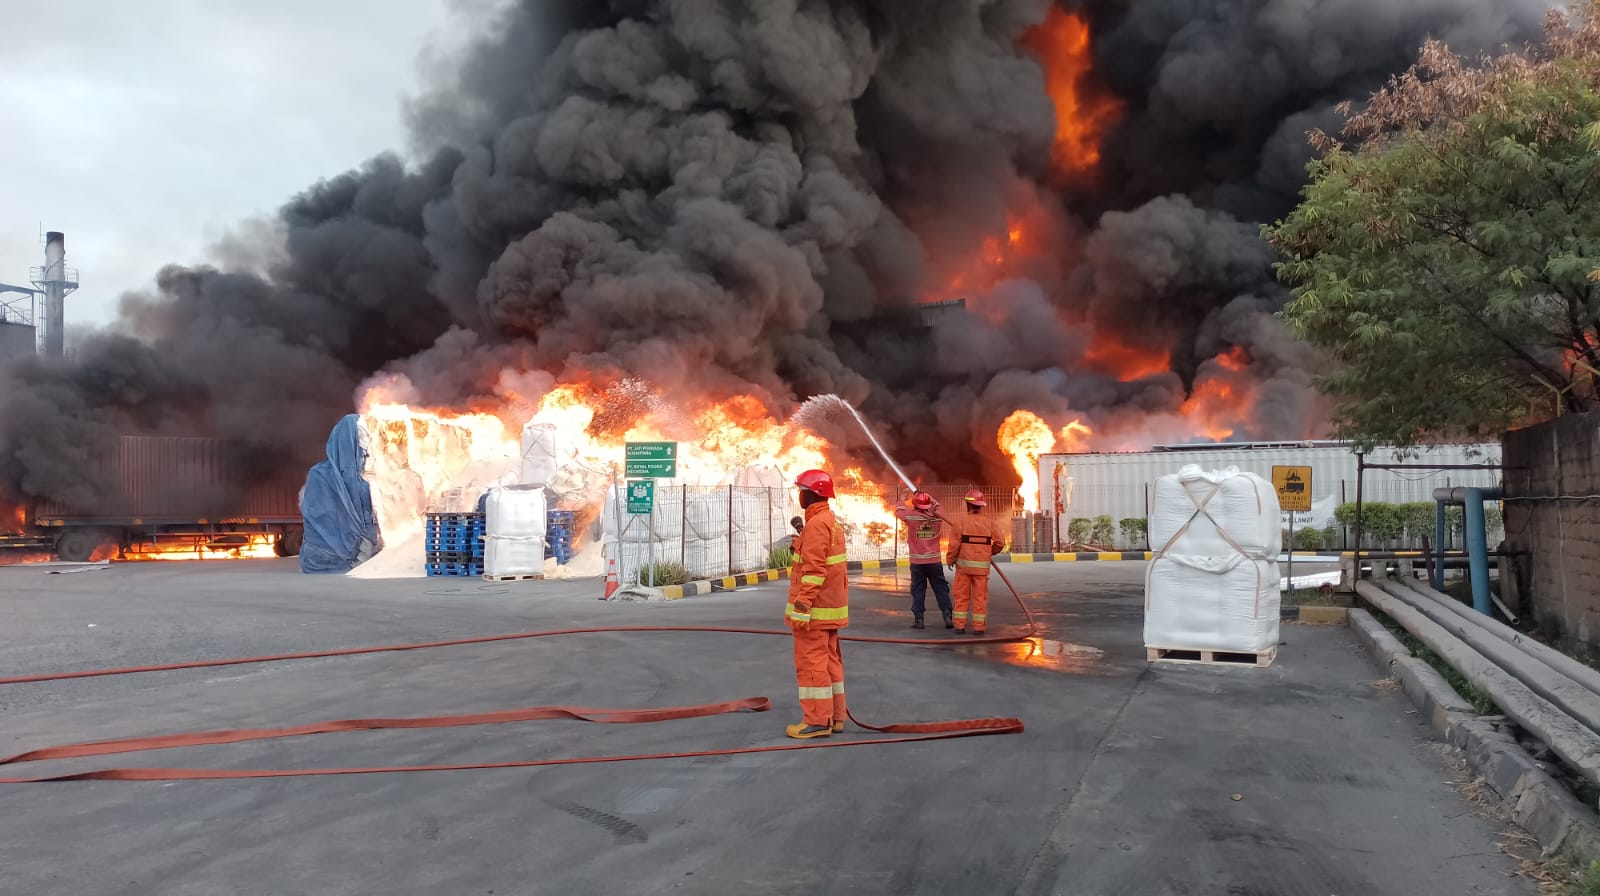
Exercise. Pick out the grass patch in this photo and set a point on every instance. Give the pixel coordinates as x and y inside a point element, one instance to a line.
<point>1588,881</point>
<point>658,574</point>
<point>1482,703</point>
<point>780,558</point>
<point>1556,878</point>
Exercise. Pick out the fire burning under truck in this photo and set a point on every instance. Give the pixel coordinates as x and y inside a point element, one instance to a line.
<point>159,498</point>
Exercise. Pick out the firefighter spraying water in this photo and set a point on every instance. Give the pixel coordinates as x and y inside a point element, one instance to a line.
<point>979,539</point>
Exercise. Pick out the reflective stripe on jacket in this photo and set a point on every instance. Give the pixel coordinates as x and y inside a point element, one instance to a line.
<point>975,538</point>
<point>818,585</point>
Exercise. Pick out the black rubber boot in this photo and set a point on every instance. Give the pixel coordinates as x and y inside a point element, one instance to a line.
<point>948,621</point>
<point>916,621</point>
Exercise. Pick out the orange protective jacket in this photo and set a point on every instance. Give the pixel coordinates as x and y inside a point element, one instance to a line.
<point>818,584</point>
<point>974,538</point>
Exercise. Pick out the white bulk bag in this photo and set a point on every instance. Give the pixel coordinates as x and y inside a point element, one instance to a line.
<point>1240,513</point>
<point>1213,584</point>
<point>514,532</point>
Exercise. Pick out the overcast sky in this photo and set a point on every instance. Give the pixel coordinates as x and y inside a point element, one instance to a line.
<point>145,130</point>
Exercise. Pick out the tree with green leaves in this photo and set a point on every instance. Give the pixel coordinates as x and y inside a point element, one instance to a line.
<point>1444,253</point>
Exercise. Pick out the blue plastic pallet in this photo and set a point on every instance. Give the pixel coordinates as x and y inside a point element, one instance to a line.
<point>453,544</point>
<point>455,569</point>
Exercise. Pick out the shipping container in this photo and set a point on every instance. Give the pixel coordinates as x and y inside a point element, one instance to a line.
<point>173,495</point>
<point>1119,484</point>
<point>156,479</point>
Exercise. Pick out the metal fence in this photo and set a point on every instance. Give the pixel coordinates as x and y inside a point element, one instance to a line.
<point>1093,511</point>
<point>701,532</point>
<point>697,532</point>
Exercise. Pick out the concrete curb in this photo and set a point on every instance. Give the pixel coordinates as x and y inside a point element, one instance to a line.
<point>1534,800</point>
<point>729,583</point>
<point>1078,557</point>
<point>678,592</point>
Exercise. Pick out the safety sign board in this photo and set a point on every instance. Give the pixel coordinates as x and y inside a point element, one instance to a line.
<point>641,496</point>
<point>1293,485</point>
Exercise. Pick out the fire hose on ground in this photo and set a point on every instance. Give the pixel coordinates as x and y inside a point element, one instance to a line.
<point>907,732</point>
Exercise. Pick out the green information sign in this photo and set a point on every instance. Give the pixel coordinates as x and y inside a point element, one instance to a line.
<point>641,496</point>
<point>654,460</point>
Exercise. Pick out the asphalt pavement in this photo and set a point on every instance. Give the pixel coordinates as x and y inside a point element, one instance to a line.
<point>1123,783</point>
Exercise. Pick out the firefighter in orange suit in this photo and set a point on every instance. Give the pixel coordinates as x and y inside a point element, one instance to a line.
<point>817,609</point>
<point>974,539</point>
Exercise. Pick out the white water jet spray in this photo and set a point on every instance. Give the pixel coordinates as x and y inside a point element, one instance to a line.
<point>819,405</point>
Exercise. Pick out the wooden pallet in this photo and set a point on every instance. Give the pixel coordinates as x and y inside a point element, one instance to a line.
<point>532,578</point>
<point>1260,660</point>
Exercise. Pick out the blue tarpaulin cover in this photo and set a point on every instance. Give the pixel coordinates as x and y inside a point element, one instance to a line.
<point>341,528</point>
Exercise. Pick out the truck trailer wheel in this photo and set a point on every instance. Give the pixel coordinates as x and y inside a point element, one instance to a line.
<point>288,543</point>
<point>80,545</point>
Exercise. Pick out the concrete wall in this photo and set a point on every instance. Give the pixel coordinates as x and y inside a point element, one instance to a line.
<point>1552,476</point>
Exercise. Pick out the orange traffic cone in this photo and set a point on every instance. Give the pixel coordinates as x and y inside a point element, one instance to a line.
<point>612,582</point>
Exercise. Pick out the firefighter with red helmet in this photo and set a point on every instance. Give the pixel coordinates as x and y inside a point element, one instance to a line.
<point>922,517</point>
<point>818,607</point>
<point>974,540</point>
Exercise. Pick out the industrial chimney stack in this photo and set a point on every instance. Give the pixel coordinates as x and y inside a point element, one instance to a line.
<point>55,281</point>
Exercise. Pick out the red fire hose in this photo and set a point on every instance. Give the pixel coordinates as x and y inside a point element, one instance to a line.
<point>912,731</point>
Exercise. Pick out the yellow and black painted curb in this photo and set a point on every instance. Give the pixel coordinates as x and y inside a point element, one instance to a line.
<point>729,583</point>
<point>678,592</point>
<point>1073,557</point>
<point>1078,557</point>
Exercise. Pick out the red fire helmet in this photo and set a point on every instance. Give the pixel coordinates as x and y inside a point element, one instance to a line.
<point>816,481</point>
<point>975,498</point>
<point>922,500</point>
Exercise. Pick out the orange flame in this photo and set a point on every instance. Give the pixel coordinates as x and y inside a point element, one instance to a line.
<point>999,256</point>
<point>1083,113</point>
<point>1235,360</point>
<point>1076,435</point>
<point>1222,396</point>
<point>256,547</point>
<point>422,457</point>
<point>1109,355</point>
<point>1026,437</point>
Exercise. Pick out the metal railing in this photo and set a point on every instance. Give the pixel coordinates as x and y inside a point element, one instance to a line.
<point>704,532</point>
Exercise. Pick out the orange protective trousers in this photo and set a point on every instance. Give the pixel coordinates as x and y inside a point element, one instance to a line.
<point>820,672</point>
<point>971,594</point>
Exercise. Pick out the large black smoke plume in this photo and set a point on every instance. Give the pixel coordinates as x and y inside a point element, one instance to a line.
<point>735,198</point>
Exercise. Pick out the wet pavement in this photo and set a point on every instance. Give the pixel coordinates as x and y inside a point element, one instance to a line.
<point>1123,783</point>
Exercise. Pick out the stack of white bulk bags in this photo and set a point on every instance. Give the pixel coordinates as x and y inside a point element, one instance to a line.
<point>513,532</point>
<point>698,529</point>
<point>1213,584</point>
